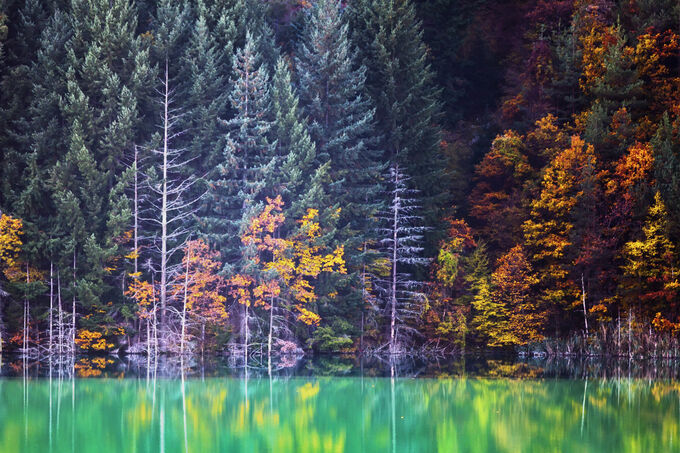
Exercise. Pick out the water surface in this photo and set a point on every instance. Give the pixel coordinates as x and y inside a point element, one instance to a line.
<point>505,410</point>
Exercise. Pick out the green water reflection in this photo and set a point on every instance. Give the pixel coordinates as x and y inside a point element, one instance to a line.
<point>338,414</point>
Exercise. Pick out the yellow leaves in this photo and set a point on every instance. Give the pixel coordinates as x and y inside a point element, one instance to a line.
<point>143,293</point>
<point>239,289</point>
<point>334,262</point>
<point>89,340</point>
<point>199,285</point>
<point>91,367</point>
<point>286,266</point>
<point>133,255</point>
<point>10,240</point>
<point>309,224</point>
<point>664,325</point>
<point>308,317</point>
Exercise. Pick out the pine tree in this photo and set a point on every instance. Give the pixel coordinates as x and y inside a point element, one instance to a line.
<point>401,83</point>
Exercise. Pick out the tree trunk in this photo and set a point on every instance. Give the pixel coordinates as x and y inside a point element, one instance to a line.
<point>269,338</point>
<point>136,215</point>
<point>60,316</point>
<point>245,336</point>
<point>583,299</point>
<point>73,334</point>
<point>184,307</point>
<point>164,205</point>
<point>393,311</point>
<point>27,310</point>
<point>51,308</point>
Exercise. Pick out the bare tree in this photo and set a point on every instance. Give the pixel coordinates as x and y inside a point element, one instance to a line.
<point>401,238</point>
<point>172,201</point>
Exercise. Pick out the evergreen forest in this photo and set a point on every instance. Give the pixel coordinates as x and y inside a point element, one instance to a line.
<point>258,178</point>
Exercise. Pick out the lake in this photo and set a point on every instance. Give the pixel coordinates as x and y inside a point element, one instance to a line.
<point>341,405</point>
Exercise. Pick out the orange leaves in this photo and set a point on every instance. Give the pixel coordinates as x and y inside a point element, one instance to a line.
<point>598,40</point>
<point>655,55</point>
<point>261,228</point>
<point>143,293</point>
<point>631,169</point>
<point>10,240</point>
<point>200,285</point>
<point>240,287</point>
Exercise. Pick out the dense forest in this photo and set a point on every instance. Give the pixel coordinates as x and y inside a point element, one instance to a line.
<point>383,176</point>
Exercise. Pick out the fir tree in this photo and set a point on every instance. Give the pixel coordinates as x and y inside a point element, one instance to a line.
<point>301,178</point>
<point>107,81</point>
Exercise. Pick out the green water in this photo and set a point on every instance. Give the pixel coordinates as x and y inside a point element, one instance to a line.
<point>338,414</point>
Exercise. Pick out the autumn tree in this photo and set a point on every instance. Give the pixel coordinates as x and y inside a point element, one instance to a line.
<point>201,289</point>
<point>518,317</point>
<point>650,283</point>
<point>496,201</point>
<point>283,269</point>
<point>551,232</point>
<point>145,296</point>
<point>10,246</point>
<point>458,272</point>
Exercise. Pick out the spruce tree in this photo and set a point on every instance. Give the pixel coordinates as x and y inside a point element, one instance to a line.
<point>402,85</point>
<point>108,78</point>
<point>248,163</point>
<point>341,124</point>
<point>301,178</point>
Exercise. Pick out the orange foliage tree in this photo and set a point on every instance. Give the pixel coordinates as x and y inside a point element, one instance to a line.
<point>144,294</point>
<point>550,231</point>
<point>511,283</point>
<point>201,288</point>
<point>282,268</point>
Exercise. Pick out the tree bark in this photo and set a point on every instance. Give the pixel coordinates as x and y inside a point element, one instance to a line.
<point>269,338</point>
<point>51,308</point>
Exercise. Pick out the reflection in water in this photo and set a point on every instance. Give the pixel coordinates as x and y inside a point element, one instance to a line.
<point>339,414</point>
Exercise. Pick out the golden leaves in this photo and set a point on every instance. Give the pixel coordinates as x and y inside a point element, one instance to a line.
<point>10,240</point>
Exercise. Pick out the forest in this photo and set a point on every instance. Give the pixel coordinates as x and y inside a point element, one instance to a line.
<point>252,177</point>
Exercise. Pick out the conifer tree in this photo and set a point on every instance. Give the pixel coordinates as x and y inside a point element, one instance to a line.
<point>401,83</point>
<point>401,236</point>
<point>301,181</point>
<point>248,161</point>
<point>341,124</point>
<point>108,76</point>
